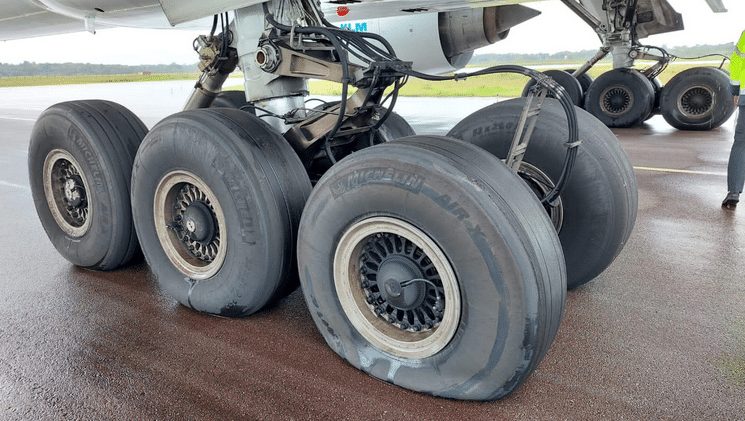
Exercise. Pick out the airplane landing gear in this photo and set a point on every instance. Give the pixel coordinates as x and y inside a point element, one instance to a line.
<point>696,99</point>
<point>426,262</point>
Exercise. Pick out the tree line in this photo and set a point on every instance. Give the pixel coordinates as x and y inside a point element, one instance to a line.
<point>28,68</point>
<point>584,55</point>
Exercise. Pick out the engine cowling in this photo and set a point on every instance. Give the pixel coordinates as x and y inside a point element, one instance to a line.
<point>445,41</point>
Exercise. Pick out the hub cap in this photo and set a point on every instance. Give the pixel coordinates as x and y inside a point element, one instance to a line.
<point>616,100</point>
<point>397,287</point>
<point>696,102</point>
<point>66,193</point>
<point>190,225</point>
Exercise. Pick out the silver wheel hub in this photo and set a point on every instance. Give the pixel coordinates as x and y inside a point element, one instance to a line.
<point>65,191</point>
<point>616,100</point>
<point>190,225</point>
<point>397,287</point>
<point>696,102</point>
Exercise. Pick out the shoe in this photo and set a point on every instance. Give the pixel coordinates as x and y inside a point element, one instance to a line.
<point>730,202</point>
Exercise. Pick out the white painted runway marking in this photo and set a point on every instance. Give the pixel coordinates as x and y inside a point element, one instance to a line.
<point>7,117</point>
<point>13,185</point>
<point>674,171</point>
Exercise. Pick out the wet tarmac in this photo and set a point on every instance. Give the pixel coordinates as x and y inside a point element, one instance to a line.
<point>661,334</point>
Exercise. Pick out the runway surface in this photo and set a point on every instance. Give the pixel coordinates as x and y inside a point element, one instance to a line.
<point>661,334</point>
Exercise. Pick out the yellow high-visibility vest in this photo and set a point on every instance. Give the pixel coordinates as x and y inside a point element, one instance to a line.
<point>737,63</point>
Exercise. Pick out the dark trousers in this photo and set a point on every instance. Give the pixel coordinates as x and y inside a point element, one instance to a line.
<point>736,167</point>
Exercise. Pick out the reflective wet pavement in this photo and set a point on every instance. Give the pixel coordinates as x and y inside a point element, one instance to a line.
<point>660,334</point>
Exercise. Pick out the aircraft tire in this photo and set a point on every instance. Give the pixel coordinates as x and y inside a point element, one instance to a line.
<point>585,80</point>
<point>566,80</point>
<point>217,196</point>
<point>449,218</point>
<point>621,98</point>
<point>697,99</point>
<point>80,163</point>
<point>395,127</point>
<point>233,99</point>
<point>657,85</point>
<point>599,202</point>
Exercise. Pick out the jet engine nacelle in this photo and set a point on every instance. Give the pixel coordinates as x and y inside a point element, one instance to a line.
<point>445,41</point>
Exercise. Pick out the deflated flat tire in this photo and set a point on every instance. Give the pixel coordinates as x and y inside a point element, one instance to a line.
<point>426,263</point>
<point>217,197</point>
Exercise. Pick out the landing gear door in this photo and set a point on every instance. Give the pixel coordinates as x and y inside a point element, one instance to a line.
<point>657,17</point>
<point>180,11</point>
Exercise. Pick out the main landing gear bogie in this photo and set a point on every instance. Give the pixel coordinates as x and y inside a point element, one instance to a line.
<point>694,99</point>
<point>427,254</point>
<point>427,262</point>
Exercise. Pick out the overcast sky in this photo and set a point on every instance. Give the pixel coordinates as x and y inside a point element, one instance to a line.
<point>557,29</point>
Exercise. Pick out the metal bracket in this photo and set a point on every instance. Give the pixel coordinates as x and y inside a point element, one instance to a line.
<point>295,64</point>
<point>215,70</point>
<point>525,126</point>
<point>305,135</point>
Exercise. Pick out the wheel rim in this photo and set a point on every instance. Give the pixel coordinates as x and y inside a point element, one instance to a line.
<point>66,192</point>
<point>190,225</point>
<point>415,311</point>
<point>696,102</point>
<point>616,100</point>
<point>541,184</point>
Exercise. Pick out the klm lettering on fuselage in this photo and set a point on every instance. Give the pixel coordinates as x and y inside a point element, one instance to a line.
<point>358,27</point>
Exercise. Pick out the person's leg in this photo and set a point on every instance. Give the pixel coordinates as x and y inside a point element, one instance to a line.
<point>736,167</point>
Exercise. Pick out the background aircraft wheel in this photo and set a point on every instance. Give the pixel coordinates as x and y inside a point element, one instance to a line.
<point>585,80</point>
<point>621,98</point>
<point>697,99</point>
<point>426,263</point>
<point>657,85</point>
<point>217,196</point>
<point>598,207</point>
<point>566,80</point>
<point>395,127</point>
<point>80,164</point>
